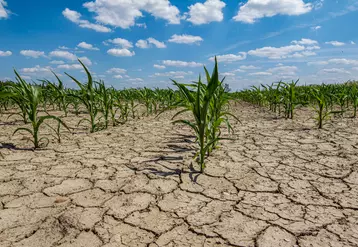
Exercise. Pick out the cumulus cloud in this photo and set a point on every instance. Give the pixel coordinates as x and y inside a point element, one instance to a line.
<point>305,42</point>
<point>157,66</point>
<point>209,11</point>
<point>260,74</point>
<point>295,51</point>
<point>157,43</point>
<point>70,66</point>
<point>176,63</point>
<point>36,69</point>
<point>121,42</point>
<point>4,13</point>
<point>335,43</point>
<point>32,53</point>
<point>75,17</point>
<point>185,39</point>
<point>145,44</point>
<point>121,52</point>
<point>342,61</point>
<point>257,9</point>
<point>228,58</point>
<point>334,71</point>
<point>249,67</point>
<point>174,74</point>
<point>116,71</point>
<point>63,54</point>
<point>120,13</point>
<point>58,62</point>
<point>5,53</point>
<point>87,46</point>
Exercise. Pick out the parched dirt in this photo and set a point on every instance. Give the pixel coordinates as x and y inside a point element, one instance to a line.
<point>277,183</point>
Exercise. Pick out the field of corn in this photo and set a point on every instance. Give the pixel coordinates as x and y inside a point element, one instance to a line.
<point>196,165</point>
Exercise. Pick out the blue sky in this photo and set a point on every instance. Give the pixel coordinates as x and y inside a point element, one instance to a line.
<point>137,43</point>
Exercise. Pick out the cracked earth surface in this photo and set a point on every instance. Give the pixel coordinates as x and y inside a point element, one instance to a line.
<point>278,183</point>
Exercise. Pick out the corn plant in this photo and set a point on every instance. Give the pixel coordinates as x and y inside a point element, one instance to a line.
<point>31,96</point>
<point>319,96</point>
<point>59,94</point>
<point>197,99</point>
<point>87,95</point>
<point>353,96</point>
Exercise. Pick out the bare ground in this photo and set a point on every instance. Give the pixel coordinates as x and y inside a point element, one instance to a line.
<point>278,183</point>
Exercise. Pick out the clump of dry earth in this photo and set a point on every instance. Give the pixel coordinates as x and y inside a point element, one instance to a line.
<point>278,183</point>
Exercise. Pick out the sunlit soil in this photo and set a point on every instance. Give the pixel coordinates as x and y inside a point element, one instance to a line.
<point>277,183</point>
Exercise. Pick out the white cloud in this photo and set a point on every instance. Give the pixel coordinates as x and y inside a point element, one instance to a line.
<point>228,58</point>
<point>317,63</point>
<point>121,52</point>
<point>4,13</point>
<point>334,70</point>
<point>174,63</point>
<point>36,69</point>
<point>343,61</point>
<point>295,51</point>
<point>305,42</point>
<point>260,74</point>
<point>70,66</point>
<point>145,44</point>
<point>123,13</point>
<point>116,71</point>
<point>335,43</point>
<point>283,70</point>
<point>136,79</point>
<point>63,54</point>
<point>63,48</point>
<point>32,53</point>
<point>143,25</point>
<point>26,77</point>
<point>57,62</point>
<point>121,42</point>
<point>5,53</point>
<point>159,66</point>
<point>315,28</point>
<point>87,46</point>
<point>185,39</point>
<point>256,9</point>
<point>85,61</point>
<point>227,74</point>
<point>203,13</point>
<point>352,43</point>
<point>75,17</point>
<point>117,76</point>
<point>174,74</point>
<point>157,43</point>
<point>249,67</point>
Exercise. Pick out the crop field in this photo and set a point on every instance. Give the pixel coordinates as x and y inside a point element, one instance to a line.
<point>196,165</point>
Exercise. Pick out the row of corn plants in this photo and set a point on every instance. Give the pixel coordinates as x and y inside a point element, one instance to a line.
<point>103,105</point>
<point>325,99</point>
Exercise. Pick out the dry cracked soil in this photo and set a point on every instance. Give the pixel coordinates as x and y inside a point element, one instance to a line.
<point>276,183</point>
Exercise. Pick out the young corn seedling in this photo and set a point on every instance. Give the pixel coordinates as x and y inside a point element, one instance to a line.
<point>320,104</point>
<point>87,95</point>
<point>31,96</point>
<point>59,94</point>
<point>197,98</point>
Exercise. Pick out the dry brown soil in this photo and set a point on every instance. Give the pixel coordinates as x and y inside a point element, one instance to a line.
<point>278,183</point>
